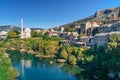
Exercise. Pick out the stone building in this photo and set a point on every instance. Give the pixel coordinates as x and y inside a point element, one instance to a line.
<point>101,39</point>
<point>87,28</point>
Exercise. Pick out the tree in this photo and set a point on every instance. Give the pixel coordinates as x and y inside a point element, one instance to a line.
<point>65,46</point>
<point>74,51</point>
<point>111,45</point>
<point>35,45</point>
<point>114,38</point>
<point>46,37</point>
<point>33,34</point>
<point>80,54</point>
<point>113,53</point>
<point>41,46</point>
<point>57,38</point>
<point>50,50</point>
<point>67,29</point>
<point>12,34</point>
<point>17,32</point>
<point>69,51</point>
<point>47,33</point>
<point>36,34</point>
<point>6,70</point>
<point>72,60</point>
<point>104,21</point>
<point>64,54</point>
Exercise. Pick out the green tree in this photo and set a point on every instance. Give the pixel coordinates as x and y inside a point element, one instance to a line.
<point>6,70</point>
<point>64,54</point>
<point>47,33</point>
<point>17,32</point>
<point>57,38</point>
<point>35,45</point>
<point>112,53</point>
<point>12,34</point>
<point>69,51</point>
<point>46,37</point>
<point>33,34</point>
<point>80,54</point>
<point>114,38</point>
<point>72,60</point>
<point>41,46</point>
<point>36,34</point>
<point>74,51</point>
<point>50,50</point>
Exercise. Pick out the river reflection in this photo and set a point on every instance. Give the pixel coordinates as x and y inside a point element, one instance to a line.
<point>31,68</point>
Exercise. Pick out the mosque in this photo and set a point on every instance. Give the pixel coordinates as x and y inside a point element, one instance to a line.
<point>25,33</point>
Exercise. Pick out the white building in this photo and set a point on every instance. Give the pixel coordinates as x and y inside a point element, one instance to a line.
<point>3,34</point>
<point>27,33</point>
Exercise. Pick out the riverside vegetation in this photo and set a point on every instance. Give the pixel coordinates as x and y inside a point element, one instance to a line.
<point>6,70</point>
<point>97,62</point>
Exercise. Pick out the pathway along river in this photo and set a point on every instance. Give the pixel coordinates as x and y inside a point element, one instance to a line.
<point>31,68</point>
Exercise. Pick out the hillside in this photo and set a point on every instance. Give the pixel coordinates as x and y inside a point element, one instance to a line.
<point>9,28</point>
<point>100,15</point>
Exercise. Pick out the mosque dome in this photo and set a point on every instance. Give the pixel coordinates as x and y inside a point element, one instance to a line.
<point>27,30</point>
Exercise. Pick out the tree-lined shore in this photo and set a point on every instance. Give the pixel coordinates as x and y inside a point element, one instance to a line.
<point>99,61</point>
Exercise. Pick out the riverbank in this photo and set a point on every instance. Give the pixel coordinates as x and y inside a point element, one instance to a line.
<point>29,60</point>
<point>96,59</point>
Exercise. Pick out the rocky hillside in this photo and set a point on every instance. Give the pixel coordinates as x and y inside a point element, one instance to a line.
<point>9,28</point>
<point>100,15</point>
<point>107,13</point>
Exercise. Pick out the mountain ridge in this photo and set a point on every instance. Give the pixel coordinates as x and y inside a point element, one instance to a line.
<point>100,15</point>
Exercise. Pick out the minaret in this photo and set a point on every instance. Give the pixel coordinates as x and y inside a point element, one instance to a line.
<point>21,25</point>
<point>62,29</point>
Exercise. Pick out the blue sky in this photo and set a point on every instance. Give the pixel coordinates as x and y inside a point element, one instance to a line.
<point>49,13</point>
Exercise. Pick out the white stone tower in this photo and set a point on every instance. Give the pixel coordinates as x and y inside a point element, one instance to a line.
<point>62,29</point>
<point>21,25</point>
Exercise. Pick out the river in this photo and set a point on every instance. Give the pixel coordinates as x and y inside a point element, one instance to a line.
<point>31,68</point>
